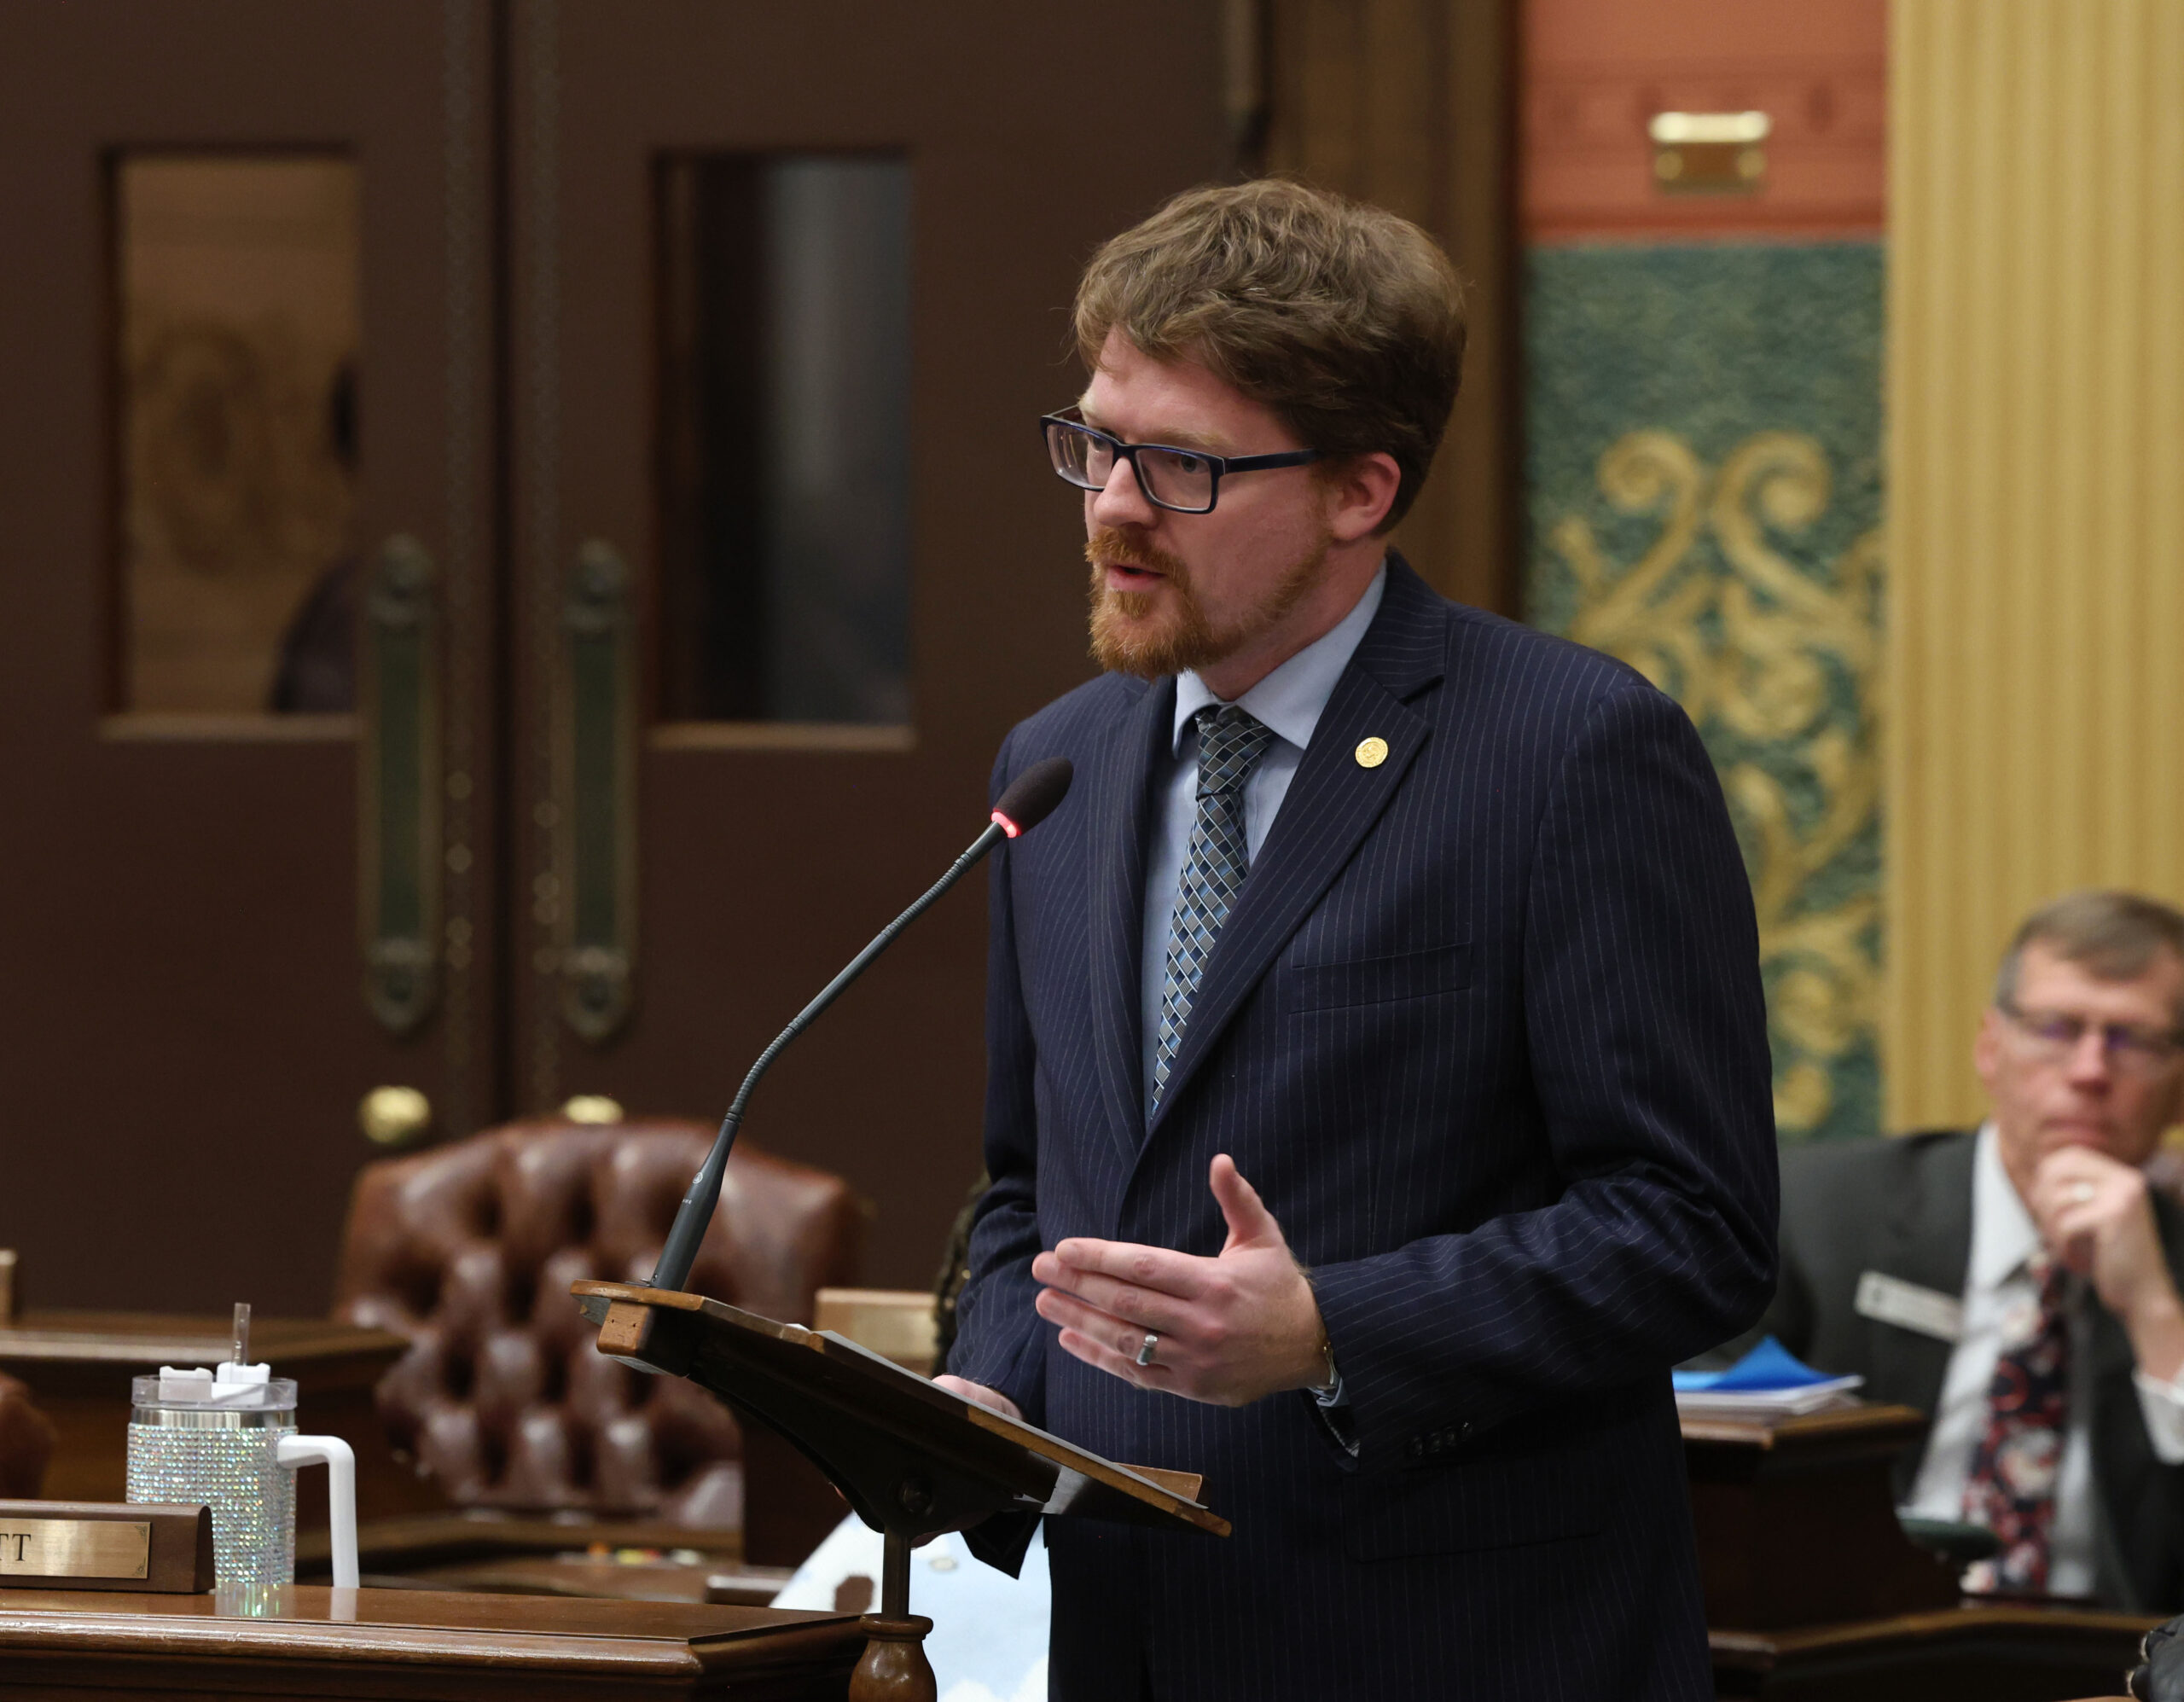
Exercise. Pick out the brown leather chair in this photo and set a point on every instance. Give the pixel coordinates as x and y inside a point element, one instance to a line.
<point>26,1443</point>
<point>469,1249</point>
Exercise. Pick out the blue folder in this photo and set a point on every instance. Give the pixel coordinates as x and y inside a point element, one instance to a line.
<point>1769,1365</point>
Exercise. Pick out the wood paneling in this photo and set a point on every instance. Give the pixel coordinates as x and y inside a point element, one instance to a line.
<point>1596,71</point>
<point>1407,103</point>
<point>2035,383</point>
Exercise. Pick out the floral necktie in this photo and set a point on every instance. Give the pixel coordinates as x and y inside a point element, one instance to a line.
<point>2010,1489</point>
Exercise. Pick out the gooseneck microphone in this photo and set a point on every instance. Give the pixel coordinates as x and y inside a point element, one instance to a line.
<point>1029,801</point>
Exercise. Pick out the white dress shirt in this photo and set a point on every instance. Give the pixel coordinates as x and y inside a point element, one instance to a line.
<point>1289,700</point>
<point>1997,1292</point>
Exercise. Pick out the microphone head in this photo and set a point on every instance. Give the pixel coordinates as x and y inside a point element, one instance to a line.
<point>1033,795</point>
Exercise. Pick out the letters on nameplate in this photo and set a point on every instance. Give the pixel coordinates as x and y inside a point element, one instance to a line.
<point>75,1548</point>
<point>1891,1300</point>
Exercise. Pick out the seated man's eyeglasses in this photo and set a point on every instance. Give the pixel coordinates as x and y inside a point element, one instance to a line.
<point>1185,481</point>
<point>2130,1049</point>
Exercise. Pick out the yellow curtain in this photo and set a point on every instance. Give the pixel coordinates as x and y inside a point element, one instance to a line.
<point>2034,721</point>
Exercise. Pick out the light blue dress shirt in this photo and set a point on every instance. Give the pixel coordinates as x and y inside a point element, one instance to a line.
<point>1289,700</point>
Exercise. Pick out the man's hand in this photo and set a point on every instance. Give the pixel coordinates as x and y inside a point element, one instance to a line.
<point>992,1399</point>
<point>2095,1215</point>
<point>1232,1329</point>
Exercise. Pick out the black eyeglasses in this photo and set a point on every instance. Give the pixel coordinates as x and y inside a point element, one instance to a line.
<point>1185,481</point>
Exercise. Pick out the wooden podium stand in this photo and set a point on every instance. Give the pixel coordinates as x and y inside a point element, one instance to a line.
<point>911,1459</point>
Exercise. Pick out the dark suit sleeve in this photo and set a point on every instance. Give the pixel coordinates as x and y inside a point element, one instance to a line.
<point>1790,1316</point>
<point>999,1340</point>
<point>1648,1043</point>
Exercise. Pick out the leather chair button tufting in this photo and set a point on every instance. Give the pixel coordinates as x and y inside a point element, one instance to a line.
<point>468,1250</point>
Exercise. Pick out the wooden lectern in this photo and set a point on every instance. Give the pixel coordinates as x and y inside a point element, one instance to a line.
<point>911,1459</point>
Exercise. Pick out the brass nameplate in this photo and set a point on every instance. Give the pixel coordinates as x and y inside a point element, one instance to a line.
<point>75,1548</point>
<point>133,1546</point>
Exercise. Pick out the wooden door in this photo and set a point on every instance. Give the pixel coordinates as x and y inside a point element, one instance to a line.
<point>245,341</point>
<point>296,304</point>
<point>681,170</point>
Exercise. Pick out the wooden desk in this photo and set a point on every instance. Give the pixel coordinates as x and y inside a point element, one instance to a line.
<point>577,1573</point>
<point>1797,1520</point>
<point>78,1367</point>
<point>427,1544</point>
<point>419,1646</point>
<point>1977,1654</point>
<point>1813,1594</point>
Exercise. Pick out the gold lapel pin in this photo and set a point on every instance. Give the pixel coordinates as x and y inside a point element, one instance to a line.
<point>1372,752</point>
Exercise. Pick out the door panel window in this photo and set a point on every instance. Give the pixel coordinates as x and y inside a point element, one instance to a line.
<point>785,380</point>
<point>238,333</point>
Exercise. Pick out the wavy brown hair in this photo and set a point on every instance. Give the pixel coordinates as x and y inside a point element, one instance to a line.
<point>1345,319</point>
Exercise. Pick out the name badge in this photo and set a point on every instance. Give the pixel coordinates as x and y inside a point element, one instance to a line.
<point>1891,1300</point>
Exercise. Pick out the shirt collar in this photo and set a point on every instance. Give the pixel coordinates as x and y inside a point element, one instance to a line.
<point>1290,698</point>
<point>2003,1234</point>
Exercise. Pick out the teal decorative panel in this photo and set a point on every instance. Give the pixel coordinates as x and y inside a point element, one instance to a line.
<point>1703,495</point>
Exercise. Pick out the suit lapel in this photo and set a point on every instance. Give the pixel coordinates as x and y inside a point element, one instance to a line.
<point>1117,921</point>
<point>1332,804</point>
<point>1926,1240</point>
<point>2113,1357</point>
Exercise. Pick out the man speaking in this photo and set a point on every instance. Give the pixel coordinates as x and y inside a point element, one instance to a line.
<point>1379,1098</point>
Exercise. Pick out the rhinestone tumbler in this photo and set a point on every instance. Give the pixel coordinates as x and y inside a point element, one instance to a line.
<point>228,1442</point>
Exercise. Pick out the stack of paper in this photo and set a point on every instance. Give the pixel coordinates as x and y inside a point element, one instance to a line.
<point>1769,1382</point>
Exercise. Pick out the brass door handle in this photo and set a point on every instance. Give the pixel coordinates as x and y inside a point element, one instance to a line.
<point>394,1116</point>
<point>399,787</point>
<point>595,778</point>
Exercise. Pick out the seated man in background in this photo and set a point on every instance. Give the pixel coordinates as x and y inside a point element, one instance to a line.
<point>2018,1282</point>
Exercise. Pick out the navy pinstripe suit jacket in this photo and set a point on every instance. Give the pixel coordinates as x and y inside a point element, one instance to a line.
<point>1485,1029</point>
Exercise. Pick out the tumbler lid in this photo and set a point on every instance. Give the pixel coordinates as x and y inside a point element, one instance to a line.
<point>225,1388</point>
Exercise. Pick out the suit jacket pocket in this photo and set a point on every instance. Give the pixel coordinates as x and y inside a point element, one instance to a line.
<point>1485,1502</point>
<point>1380,980</point>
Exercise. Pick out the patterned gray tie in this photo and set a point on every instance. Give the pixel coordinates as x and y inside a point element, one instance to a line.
<point>1230,743</point>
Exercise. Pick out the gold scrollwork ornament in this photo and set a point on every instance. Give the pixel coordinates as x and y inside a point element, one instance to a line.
<point>1754,650</point>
